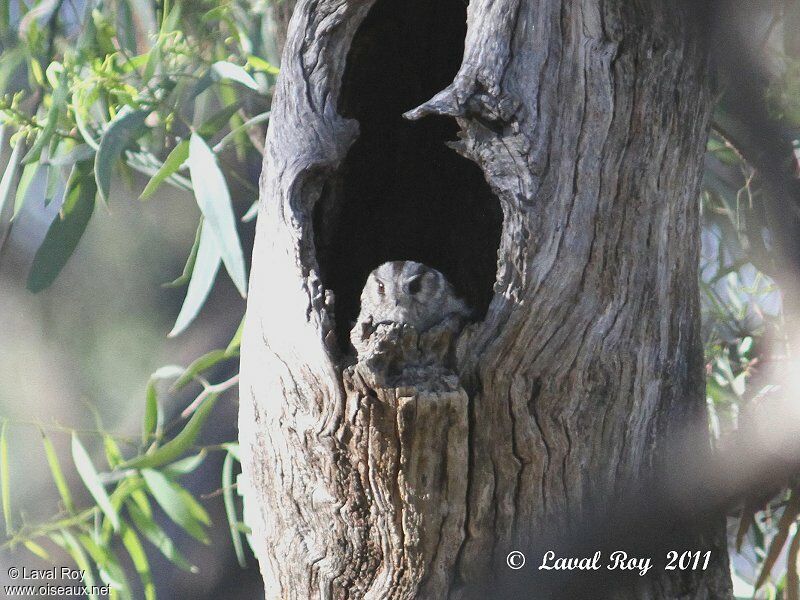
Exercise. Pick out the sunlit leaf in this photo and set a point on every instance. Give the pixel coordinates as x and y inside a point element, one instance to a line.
<point>90,478</point>
<point>213,198</point>
<point>186,465</point>
<point>5,478</point>
<point>75,550</point>
<point>150,412</point>
<point>168,372</point>
<point>262,65</point>
<point>58,104</point>
<point>230,509</point>
<point>169,497</point>
<point>57,473</point>
<point>10,174</point>
<point>111,572</point>
<point>200,365</point>
<point>37,550</point>
<point>204,271</point>
<point>223,70</point>
<point>134,547</point>
<point>178,445</point>
<point>156,536</point>
<point>172,163</point>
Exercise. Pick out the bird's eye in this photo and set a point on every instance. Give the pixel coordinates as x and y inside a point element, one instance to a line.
<point>381,288</point>
<point>415,285</point>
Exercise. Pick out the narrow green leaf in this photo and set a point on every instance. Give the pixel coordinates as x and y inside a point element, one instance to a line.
<point>5,479</point>
<point>233,448</point>
<point>195,508</point>
<point>262,65</point>
<point>75,550</point>
<point>90,478</point>
<point>214,200</point>
<point>150,412</point>
<point>218,120</point>
<point>57,473</point>
<point>156,536</point>
<point>134,547</point>
<point>171,165</point>
<point>66,230</point>
<point>57,105</point>
<point>233,346</point>
<point>10,174</point>
<point>36,549</point>
<point>262,118</point>
<point>11,59</point>
<point>204,272</point>
<point>186,465</point>
<point>186,276</point>
<point>178,445</point>
<point>790,514</point>
<point>55,184</point>
<point>29,185</point>
<point>169,497</point>
<point>113,454</point>
<point>74,153</point>
<point>111,572</point>
<point>127,127</point>
<point>251,213</point>
<point>223,70</point>
<point>230,509</point>
<point>200,365</point>
<point>168,372</point>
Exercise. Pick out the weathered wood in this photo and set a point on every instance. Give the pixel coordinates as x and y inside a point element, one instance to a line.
<point>589,121</point>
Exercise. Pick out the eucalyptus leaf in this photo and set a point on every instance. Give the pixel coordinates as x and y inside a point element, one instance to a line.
<point>5,479</point>
<point>214,200</point>
<point>57,473</point>
<point>92,481</point>
<point>172,163</point>
<point>135,550</point>
<point>204,271</point>
<point>230,509</point>
<point>66,229</point>
<point>10,174</point>
<point>186,276</point>
<point>127,127</point>
<point>75,550</point>
<point>57,106</point>
<point>200,365</point>
<point>178,445</point>
<point>150,412</point>
<point>223,70</point>
<point>168,496</point>
<point>156,536</point>
<point>29,185</point>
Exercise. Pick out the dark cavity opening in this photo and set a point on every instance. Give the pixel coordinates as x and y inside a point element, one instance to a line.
<point>402,194</point>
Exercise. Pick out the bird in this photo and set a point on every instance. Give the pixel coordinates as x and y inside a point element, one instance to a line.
<point>409,293</point>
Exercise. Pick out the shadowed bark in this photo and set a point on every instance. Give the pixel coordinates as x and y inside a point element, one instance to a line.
<point>410,475</point>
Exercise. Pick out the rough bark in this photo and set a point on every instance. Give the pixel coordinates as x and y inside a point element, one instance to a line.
<point>403,476</point>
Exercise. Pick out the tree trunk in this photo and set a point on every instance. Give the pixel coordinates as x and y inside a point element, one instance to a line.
<point>402,476</point>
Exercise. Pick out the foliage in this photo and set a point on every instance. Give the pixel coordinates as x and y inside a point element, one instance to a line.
<point>746,344</point>
<point>92,92</point>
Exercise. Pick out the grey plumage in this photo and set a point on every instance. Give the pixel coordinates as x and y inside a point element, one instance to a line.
<point>407,292</point>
